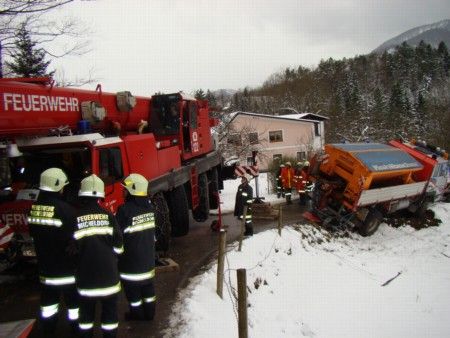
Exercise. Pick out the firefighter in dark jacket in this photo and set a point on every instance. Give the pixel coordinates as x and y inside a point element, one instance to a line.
<point>136,220</point>
<point>51,221</point>
<point>280,190</point>
<point>97,277</point>
<point>244,197</point>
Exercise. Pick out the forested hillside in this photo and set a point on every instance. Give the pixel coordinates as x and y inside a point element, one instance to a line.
<point>403,93</point>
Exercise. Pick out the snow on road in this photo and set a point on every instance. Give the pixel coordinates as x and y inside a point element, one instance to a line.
<point>306,283</point>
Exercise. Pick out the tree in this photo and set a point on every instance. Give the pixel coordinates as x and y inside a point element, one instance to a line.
<point>212,101</point>
<point>42,29</point>
<point>28,60</point>
<point>199,94</point>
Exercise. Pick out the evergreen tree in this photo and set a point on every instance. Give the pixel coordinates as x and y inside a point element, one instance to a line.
<point>444,56</point>
<point>211,98</point>
<point>28,60</point>
<point>200,94</point>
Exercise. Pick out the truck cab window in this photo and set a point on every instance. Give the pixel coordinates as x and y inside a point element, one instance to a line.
<point>110,165</point>
<point>193,116</point>
<point>165,117</point>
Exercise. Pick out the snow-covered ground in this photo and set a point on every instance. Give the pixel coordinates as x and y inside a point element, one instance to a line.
<point>306,283</point>
<point>228,195</point>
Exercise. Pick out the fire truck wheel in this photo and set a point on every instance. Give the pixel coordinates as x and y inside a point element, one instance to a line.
<point>371,223</point>
<point>213,188</point>
<point>201,213</point>
<point>179,218</point>
<point>162,220</point>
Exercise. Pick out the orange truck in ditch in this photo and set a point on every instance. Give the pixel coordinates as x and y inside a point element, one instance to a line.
<point>357,184</point>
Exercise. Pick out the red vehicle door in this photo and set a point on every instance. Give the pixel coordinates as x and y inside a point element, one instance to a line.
<point>110,164</point>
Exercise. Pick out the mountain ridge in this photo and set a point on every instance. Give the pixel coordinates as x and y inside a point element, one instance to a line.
<point>432,33</point>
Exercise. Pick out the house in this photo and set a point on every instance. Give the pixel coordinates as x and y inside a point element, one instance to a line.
<point>290,134</point>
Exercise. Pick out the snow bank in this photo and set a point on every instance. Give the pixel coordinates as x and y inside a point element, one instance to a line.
<point>306,283</point>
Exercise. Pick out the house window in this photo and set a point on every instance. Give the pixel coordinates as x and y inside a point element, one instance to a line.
<point>253,138</point>
<point>276,136</point>
<point>235,139</point>
<point>249,160</point>
<point>316,129</point>
<point>277,157</point>
<point>301,155</point>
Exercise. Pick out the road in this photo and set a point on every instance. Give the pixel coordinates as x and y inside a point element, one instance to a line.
<point>19,298</point>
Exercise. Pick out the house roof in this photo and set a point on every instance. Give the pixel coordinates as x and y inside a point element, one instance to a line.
<point>294,114</point>
<point>312,118</point>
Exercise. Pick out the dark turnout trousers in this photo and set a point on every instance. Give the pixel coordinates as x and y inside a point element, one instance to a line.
<point>109,318</point>
<point>142,299</point>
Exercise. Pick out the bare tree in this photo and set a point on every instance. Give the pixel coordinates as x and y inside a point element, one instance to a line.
<point>236,143</point>
<point>44,29</point>
<point>62,81</point>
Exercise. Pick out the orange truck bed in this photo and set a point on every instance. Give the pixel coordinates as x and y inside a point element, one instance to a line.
<point>373,172</point>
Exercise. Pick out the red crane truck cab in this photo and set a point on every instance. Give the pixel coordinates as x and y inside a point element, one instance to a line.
<point>166,138</point>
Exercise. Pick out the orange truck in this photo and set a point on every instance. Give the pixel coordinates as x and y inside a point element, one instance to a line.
<point>357,184</point>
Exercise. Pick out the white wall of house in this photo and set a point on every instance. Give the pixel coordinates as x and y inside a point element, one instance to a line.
<point>279,136</point>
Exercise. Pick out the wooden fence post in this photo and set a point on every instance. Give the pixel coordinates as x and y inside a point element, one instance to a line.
<point>220,262</point>
<point>241,237</point>
<point>280,213</point>
<point>242,303</point>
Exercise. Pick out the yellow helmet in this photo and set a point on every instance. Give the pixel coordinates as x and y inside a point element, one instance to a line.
<point>136,185</point>
<point>53,179</point>
<point>92,186</point>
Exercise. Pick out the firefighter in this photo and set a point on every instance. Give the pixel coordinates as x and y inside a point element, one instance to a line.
<point>280,190</point>
<point>173,118</point>
<point>308,184</point>
<point>51,222</point>
<point>301,181</point>
<point>287,180</point>
<point>244,197</point>
<point>136,220</point>
<point>97,277</point>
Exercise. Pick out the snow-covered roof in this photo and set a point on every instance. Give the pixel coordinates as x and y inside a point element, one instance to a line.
<point>291,117</point>
<point>294,114</point>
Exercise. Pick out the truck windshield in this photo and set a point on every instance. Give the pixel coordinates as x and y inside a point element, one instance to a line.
<point>75,162</point>
<point>165,119</point>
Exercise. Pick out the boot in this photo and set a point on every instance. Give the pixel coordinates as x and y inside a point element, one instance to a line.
<point>248,231</point>
<point>149,310</point>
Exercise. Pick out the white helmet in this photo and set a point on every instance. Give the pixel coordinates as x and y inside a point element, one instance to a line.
<point>53,179</point>
<point>306,163</point>
<point>92,186</point>
<point>13,151</point>
<point>136,185</point>
<point>248,177</point>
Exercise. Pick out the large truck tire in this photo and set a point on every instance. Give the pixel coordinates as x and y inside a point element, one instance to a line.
<point>213,188</point>
<point>201,213</point>
<point>162,221</point>
<point>179,211</point>
<point>371,223</point>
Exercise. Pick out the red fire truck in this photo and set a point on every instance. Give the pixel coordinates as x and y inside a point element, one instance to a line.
<point>166,138</point>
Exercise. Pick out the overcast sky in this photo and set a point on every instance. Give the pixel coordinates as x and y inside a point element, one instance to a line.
<point>147,46</point>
